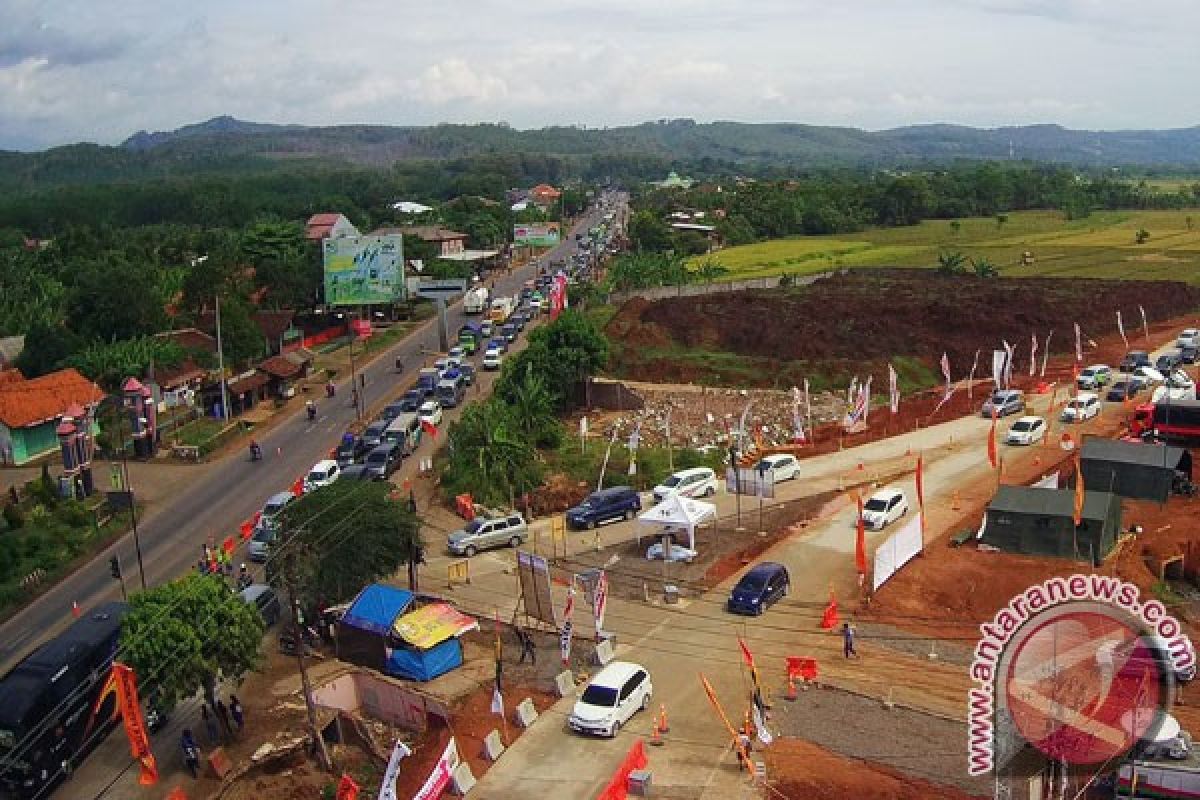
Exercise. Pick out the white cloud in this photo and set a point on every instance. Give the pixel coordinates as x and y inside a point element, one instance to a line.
<point>73,70</point>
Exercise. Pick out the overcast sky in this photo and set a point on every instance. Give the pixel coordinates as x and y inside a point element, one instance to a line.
<point>99,70</point>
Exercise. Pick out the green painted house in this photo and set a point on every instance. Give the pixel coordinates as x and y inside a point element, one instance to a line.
<point>30,411</point>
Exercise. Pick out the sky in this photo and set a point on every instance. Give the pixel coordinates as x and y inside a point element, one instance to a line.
<point>98,70</point>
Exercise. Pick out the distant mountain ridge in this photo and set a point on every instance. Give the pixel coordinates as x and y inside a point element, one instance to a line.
<point>225,145</point>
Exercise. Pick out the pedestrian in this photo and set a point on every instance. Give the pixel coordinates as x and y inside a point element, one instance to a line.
<point>223,718</point>
<point>848,641</point>
<point>527,646</point>
<point>235,710</point>
<point>191,753</point>
<point>744,747</point>
<point>210,724</point>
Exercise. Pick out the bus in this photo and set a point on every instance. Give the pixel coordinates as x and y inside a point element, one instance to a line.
<point>1173,418</point>
<point>58,703</point>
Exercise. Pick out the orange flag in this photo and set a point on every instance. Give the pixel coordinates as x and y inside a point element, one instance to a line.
<point>920,485</point>
<point>829,618</point>
<point>1079,490</point>
<point>135,724</point>
<point>860,539</point>
<point>177,794</point>
<point>247,530</point>
<point>992,442</point>
<point>228,545</point>
<point>716,704</point>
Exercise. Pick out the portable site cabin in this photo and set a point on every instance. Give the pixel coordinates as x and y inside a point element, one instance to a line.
<point>1135,470</point>
<point>364,630</point>
<point>1040,522</point>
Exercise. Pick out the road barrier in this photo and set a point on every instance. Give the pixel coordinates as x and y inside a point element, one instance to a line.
<point>458,571</point>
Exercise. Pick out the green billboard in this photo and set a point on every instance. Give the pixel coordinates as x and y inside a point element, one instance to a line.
<point>364,269</point>
<point>540,234</point>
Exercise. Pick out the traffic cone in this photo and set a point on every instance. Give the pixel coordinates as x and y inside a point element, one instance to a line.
<point>655,738</point>
<point>791,690</point>
<point>662,719</point>
<point>75,609</point>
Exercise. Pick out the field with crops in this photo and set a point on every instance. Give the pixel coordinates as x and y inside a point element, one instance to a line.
<point>1103,245</point>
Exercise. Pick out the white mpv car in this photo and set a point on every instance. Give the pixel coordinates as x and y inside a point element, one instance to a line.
<point>885,507</point>
<point>617,692</point>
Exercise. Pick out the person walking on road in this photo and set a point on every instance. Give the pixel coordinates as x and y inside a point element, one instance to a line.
<point>191,753</point>
<point>527,646</point>
<point>848,641</point>
<point>210,725</point>
<point>235,711</point>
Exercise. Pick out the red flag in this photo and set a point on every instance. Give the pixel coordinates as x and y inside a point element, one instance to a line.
<point>177,794</point>
<point>246,529</point>
<point>135,723</point>
<point>228,545</point>
<point>992,441</point>
<point>429,427</point>
<point>749,659</point>
<point>829,618</point>
<point>920,486</point>
<point>298,487</point>
<point>860,539</point>
<point>347,789</point>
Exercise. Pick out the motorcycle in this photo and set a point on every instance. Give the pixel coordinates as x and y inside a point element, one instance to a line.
<point>312,411</point>
<point>330,389</point>
<point>399,365</point>
<point>255,452</point>
<point>287,641</point>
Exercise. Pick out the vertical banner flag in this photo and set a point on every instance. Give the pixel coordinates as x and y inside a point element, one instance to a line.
<point>757,706</point>
<point>971,375</point>
<point>1078,343</point>
<point>856,413</point>
<point>893,390</point>
<point>946,371</point>
<point>852,392</point>
<point>716,704</point>
<point>998,368</point>
<point>808,408</point>
<point>1121,329</point>
<point>497,697</point>
<point>347,789</point>
<point>135,723</point>
<point>443,770</point>
<point>742,432</point>
<point>992,441</point>
<point>600,601</point>
<point>920,484</point>
<point>1145,327</point>
<point>633,446</point>
<point>797,418</point>
<point>865,391</point>
<point>1079,491</point>
<point>568,628</point>
<point>387,790</point>
<point>1008,361</point>
<point>1046,355</point>
<point>860,541</point>
<point>1032,354</point>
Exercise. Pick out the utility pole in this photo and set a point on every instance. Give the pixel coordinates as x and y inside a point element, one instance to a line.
<point>355,394</point>
<point>318,740</point>
<point>221,365</point>
<point>137,544</point>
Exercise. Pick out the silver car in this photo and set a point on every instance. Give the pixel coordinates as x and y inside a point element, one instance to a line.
<point>484,532</point>
<point>1004,402</point>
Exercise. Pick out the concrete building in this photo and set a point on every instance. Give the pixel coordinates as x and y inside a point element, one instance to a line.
<point>31,410</point>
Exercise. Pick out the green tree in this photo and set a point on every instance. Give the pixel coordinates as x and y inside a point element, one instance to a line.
<point>241,338</point>
<point>114,298</point>
<point>955,227</point>
<point>648,232</point>
<point>186,635</point>
<point>709,270</point>
<point>532,406</point>
<point>47,347</point>
<point>1142,236</point>
<point>563,353</point>
<point>284,263</point>
<point>489,456</point>
<point>340,538</point>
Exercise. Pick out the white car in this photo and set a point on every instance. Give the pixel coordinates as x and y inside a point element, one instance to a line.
<point>492,359</point>
<point>883,508</point>
<point>695,482</point>
<point>457,355</point>
<point>1083,406</point>
<point>1179,380</point>
<point>782,466</point>
<point>1188,337</point>
<point>611,699</point>
<point>1148,375</point>
<point>1094,377</point>
<point>430,411</point>
<point>323,473</point>
<point>677,553</point>
<point>1026,430</point>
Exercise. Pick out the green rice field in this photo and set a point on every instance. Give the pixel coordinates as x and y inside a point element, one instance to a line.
<point>1100,246</point>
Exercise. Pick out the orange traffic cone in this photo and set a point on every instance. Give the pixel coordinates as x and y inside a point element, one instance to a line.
<point>75,609</point>
<point>662,719</point>
<point>791,690</point>
<point>655,738</point>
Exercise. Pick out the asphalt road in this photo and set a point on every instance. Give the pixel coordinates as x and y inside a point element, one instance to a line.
<point>172,536</point>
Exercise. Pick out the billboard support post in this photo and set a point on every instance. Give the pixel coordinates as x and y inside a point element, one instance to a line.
<point>443,333</point>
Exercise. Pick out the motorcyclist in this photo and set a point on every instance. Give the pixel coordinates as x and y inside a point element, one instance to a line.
<point>312,410</point>
<point>255,451</point>
<point>330,389</point>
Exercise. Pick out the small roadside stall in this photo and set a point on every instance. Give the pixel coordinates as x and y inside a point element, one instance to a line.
<point>676,514</point>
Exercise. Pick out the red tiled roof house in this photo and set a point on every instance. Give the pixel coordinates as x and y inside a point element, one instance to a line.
<point>30,411</point>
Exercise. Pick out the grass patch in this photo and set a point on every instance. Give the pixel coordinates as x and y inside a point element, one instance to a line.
<point>653,462</point>
<point>1098,246</point>
<point>199,432</point>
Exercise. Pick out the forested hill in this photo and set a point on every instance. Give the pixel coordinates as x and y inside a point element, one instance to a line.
<point>224,144</point>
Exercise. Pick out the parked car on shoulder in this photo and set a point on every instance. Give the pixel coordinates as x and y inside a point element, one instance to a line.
<point>349,450</point>
<point>373,435</point>
<point>611,698</point>
<point>1168,361</point>
<point>431,412</point>
<point>1188,337</point>
<point>783,467</point>
<point>323,473</point>
<point>606,505</point>
<point>1096,376</point>
<point>1080,408</point>
<point>383,461</point>
<point>883,508</point>
<point>498,343</point>
<point>758,589</point>
<point>356,472</point>
<point>1121,391</point>
<point>391,411</point>
<point>483,533</point>
<point>492,360</point>
<point>1187,354</point>
<point>1134,359</point>
<point>264,600</point>
<point>267,529</point>
<point>412,400</point>
<point>1004,402</point>
<point>468,374</point>
<point>509,331</point>
<point>1026,430</point>
<point>695,482</point>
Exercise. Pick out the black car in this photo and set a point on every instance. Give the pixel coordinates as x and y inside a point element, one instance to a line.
<point>1134,359</point>
<point>606,505</point>
<point>391,411</point>
<point>349,450</point>
<point>356,472</point>
<point>1188,354</point>
<point>509,332</point>
<point>468,373</point>
<point>1168,361</point>
<point>761,586</point>
<point>412,400</point>
<point>1121,390</point>
<point>519,319</point>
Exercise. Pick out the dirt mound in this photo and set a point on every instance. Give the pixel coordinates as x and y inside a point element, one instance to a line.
<point>862,319</point>
<point>557,494</point>
<point>800,769</point>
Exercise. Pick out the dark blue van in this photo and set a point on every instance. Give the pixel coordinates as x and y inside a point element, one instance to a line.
<point>606,505</point>
<point>759,588</point>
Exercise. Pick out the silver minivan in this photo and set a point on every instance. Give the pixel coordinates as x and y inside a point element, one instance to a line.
<point>267,529</point>
<point>405,432</point>
<point>484,532</point>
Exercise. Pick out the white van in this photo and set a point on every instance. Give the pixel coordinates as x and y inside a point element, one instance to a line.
<point>323,473</point>
<point>695,482</point>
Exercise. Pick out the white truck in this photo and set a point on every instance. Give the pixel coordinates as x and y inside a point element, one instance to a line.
<point>476,300</point>
<point>501,310</point>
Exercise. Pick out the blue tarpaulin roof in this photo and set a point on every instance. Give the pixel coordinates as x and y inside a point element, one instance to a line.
<point>376,607</point>
<point>424,665</point>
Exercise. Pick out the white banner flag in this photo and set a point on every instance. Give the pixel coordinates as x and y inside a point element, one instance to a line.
<point>893,390</point>
<point>1032,354</point>
<point>443,771</point>
<point>1078,343</point>
<point>568,628</point>
<point>634,438</point>
<point>600,601</point>
<point>1145,326</point>
<point>998,359</point>
<point>387,791</point>
<point>797,418</point>
<point>971,376</point>
<point>1046,353</point>
<point>946,372</point>
<point>1008,362</point>
<point>808,407</point>
<point>866,398</point>
<point>1121,330</point>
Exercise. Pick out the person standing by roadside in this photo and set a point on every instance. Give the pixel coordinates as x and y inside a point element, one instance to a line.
<point>848,641</point>
<point>235,711</point>
<point>210,725</point>
<point>223,718</point>
<point>191,753</point>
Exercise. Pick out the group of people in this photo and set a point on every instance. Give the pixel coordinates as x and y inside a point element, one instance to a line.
<point>221,725</point>
<point>216,561</point>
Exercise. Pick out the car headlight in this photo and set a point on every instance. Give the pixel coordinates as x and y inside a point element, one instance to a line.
<point>754,600</point>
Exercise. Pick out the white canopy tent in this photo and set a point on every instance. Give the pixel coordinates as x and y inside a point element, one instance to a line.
<point>679,512</point>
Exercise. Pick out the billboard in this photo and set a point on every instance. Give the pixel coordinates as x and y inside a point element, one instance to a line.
<point>540,234</point>
<point>364,269</point>
<point>533,576</point>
